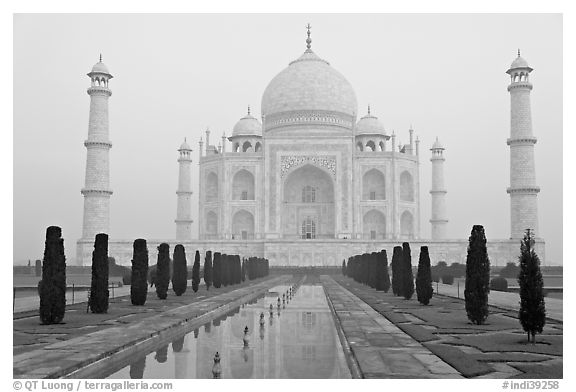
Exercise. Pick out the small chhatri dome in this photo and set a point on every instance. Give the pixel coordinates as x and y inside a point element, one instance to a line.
<point>184,146</point>
<point>370,125</point>
<point>247,126</point>
<point>437,145</point>
<point>519,62</point>
<point>100,68</point>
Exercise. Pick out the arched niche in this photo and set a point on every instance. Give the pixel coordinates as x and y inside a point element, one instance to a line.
<point>211,224</point>
<point>374,225</point>
<point>243,185</point>
<point>373,185</point>
<point>243,225</point>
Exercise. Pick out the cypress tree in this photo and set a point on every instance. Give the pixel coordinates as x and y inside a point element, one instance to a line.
<point>217,270</point>
<point>139,276</point>
<point>532,314</point>
<point>397,271</point>
<point>224,269</point>
<point>163,271</point>
<point>207,269</point>
<point>180,273</point>
<point>344,267</point>
<point>373,269</point>
<point>407,275</point>
<point>52,287</point>
<point>238,270</point>
<point>196,272</point>
<point>243,270</point>
<point>383,279</point>
<point>477,277</point>
<point>99,285</point>
<point>424,277</point>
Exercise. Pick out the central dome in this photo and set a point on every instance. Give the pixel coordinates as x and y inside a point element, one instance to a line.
<point>309,86</point>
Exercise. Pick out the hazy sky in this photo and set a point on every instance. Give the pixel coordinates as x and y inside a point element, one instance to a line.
<point>174,75</point>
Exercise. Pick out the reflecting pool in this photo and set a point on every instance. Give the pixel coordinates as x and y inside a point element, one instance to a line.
<point>297,339</point>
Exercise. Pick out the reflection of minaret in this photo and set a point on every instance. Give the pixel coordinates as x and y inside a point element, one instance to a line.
<point>181,358</point>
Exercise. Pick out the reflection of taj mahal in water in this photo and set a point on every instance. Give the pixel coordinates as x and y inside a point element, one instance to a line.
<point>300,343</point>
<point>310,183</point>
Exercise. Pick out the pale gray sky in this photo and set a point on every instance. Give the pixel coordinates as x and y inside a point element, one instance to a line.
<point>176,74</point>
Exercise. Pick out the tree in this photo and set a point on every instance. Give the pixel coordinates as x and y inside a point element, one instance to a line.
<point>99,286</point>
<point>407,275</point>
<point>477,277</point>
<point>52,287</point>
<point>180,273</point>
<point>344,267</point>
<point>383,279</point>
<point>217,270</point>
<point>243,270</point>
<point>373,269</point>
<point>498,284</point>
<point>224,269</point>
<point>207,269</point>
<point>532,313</point>
<point>139,281</point>
<point>424,277</point>
<point>196,272</point>
<point>397,271</point>
<point>163,271</point>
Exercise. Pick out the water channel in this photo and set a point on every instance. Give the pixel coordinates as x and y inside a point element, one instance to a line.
<point>296,340</point>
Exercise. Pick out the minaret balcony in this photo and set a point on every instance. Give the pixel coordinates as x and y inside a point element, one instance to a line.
<point>526,140</point>
<point>524,189</point>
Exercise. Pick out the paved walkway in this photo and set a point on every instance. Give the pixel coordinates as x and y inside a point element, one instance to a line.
<point>504,300</point>
<point>380,348</point>
<point>115,333</point>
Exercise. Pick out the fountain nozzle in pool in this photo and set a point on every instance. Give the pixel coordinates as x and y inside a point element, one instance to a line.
<point>216,368</point>
<point>262,319</point>
<point>245,339</point>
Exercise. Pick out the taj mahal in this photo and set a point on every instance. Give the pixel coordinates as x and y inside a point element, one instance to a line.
<point>314,179</point>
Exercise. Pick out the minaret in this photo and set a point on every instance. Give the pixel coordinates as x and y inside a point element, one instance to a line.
<point>523,189</point>
<point>96,189</point>
<point>184,192</point>
<point>439,220</point>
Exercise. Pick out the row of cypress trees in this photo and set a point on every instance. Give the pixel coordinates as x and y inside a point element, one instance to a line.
<point>256,267</point>
<point>372,269</point>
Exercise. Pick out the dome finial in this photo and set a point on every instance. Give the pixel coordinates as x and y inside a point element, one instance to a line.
<point>368,109</point>
<point>100,57</point>
<point>518,52</point>
<point>308,40</point>
<point>248,109</point>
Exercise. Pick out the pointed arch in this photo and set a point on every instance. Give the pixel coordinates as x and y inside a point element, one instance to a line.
<point>243,225</point>
<point>374,225</point>
<point>370,145</point>
<point>258,147</point>
<point>373,185</point>
<point>243,185</point>
<point>247,147</point>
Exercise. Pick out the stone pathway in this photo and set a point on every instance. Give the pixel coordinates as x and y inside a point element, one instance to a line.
<point>496,349</point>
<point>57,358</point>
<point>380,348</point>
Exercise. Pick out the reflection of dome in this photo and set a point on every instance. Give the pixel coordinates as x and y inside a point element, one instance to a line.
<point>309,84</point>
<point>370,125</point>
<point>247,126</point>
